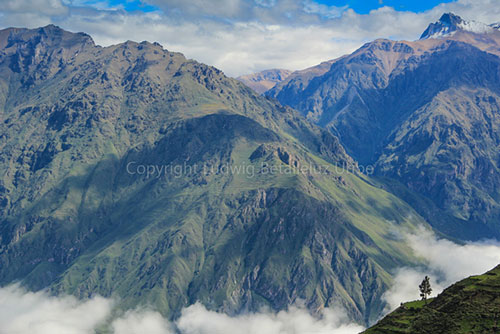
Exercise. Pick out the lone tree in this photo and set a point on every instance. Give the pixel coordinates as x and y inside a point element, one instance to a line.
<point>425,288</point>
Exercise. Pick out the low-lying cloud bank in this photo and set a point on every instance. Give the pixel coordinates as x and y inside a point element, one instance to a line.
<point>24,312</point>
<point>445,263</point>
<point>197,320</point>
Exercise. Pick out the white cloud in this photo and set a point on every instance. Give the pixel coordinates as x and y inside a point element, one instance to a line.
<point>138,322</point>
<point>24,312</point>
<point>453,261</point>
<point>445,262</point>
<point>200,8</point>
<point>242,36</point>
<point>197,320</point>
<point>325,11</point>
<point>40,7</point>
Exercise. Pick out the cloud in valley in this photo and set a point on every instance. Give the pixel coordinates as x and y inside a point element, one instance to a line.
<point>446,262</point>
<point>137,322</point>
<point>24,312</point>
<point>197,320</point>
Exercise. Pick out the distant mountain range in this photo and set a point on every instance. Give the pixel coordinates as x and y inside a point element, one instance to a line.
<point>467,307</point>
<point>131,171</point>
<point>265,80</point>
<point>425,113</point>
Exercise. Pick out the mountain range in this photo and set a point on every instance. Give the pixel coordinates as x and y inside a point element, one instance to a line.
<point>424,113</point>
<point>130,171</point>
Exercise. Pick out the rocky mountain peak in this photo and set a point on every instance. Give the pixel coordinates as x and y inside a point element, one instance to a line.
<point>50,36</point>
<point>37,54</point>
<point>451,19</point>
<point>450,23</point>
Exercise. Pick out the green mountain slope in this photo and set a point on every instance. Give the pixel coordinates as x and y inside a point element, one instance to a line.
<point>82,124</point>
<point>469,306</point>
<point>425,113</point>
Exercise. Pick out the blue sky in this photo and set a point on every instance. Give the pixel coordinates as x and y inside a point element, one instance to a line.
<point>244,36</point>
<point>127,5</point>
<point>365,6</point>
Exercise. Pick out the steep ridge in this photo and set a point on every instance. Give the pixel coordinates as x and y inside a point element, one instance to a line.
<point>130,171</point>
<point>425,113</point>
<point>469,306</point>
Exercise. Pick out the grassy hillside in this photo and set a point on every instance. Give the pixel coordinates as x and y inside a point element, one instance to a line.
<point>469,306</point>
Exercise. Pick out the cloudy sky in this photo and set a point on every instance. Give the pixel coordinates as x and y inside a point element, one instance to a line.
<point>244,36</point>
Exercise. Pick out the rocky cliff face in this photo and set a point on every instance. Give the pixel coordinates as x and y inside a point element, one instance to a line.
<point>130,171</point>
<point>425,113</point>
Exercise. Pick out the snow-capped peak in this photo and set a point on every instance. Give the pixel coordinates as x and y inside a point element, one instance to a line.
<point>449,23</point>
